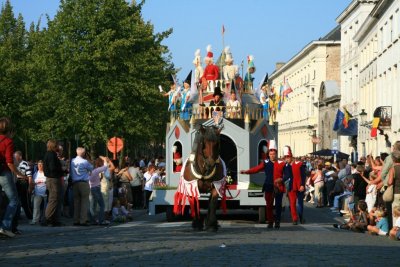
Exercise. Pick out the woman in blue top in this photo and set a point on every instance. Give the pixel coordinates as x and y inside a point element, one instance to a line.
<point>172,93</point>
<point>186,106</point>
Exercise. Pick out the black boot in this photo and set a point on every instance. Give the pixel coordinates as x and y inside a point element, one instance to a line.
<point>270,225</point>
<point>277,225</point>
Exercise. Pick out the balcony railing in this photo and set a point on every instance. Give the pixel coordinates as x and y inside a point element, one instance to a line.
<point>206,112</point>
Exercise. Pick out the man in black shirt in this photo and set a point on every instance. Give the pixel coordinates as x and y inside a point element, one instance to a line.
<point>53,171</point>
<point>360,185</point>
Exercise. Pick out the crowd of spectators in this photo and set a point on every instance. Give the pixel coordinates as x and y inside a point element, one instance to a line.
<point>103,191</point>
<point>356,191</point>
<point>92,192</point>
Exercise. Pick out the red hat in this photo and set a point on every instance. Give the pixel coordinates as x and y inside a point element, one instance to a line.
<point>209,53</point>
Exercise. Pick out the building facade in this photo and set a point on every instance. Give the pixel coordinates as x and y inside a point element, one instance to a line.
<point>350,21</point>
<point>369,69</point>
<point>316,63</point>
<point>328,104</point>
<point>378,41</point>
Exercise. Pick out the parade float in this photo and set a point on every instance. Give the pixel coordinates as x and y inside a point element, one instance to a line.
<point>247,124</point>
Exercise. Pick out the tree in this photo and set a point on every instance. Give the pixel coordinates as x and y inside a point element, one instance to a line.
<point>12,64</point>
<point>100,65</point>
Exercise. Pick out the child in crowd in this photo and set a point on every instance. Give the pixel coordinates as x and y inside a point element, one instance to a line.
<point>382,224</point>
<point>357,223</point>
<point>309,191</point>
<point>122,192</point>
<point>371,192</point>
<point>119,213</point>
<point>395,231</point>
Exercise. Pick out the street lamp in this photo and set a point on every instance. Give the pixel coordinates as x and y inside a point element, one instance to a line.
<point>363,116</point>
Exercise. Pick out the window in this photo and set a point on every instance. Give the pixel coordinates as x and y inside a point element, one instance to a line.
<point>395,24</point>
<point>312,101</point>
<point>391,29</point>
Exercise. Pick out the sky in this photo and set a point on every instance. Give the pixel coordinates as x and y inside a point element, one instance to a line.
<point>270,30</point>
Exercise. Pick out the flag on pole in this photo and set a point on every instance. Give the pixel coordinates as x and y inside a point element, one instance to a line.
<point>338,120</point>
<point>346,118</point>
<point>280,96</point>
<point>375,122</point>
<point>223,29</point>
<point>339,126</point>
<point>374,129</point>
<point>257,91</point>
<point>287,89</point>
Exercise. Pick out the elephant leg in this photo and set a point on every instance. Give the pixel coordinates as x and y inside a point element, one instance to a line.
<point>212,223</point>
<point>197,222</point>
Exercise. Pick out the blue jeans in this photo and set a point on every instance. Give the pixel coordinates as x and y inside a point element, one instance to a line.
<point>8,185</point>
<point>97,198</point>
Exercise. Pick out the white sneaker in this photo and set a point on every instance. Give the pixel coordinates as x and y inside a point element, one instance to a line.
<point>344,211</point>
<point>347,219</point>
<point>6,232</point>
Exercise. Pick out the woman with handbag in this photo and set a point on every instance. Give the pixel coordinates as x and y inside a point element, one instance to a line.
<point>394,181</point>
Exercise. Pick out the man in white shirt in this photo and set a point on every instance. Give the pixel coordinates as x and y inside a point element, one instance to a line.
<point>23,184</point>
<point>136,184</point>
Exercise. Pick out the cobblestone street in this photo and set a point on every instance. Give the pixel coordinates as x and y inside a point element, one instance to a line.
<point>150,241</point>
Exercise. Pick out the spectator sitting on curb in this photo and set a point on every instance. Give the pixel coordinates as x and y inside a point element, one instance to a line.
<point>382,224</point>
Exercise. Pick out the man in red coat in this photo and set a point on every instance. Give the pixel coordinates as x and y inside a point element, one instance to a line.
<point>294,174</point>
<point>211,72</point>
<point>273,187</point>
<point>177,158</point>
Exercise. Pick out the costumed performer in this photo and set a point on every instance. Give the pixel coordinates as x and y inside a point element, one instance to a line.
<point>177,158</point>
<point>294,174</point>
<point>211,72</point>
<point>186,105</point>
<point>248,78</point>
<point>273,186</point>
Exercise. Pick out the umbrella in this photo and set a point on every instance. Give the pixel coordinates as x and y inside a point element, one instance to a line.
<point>329,153</point>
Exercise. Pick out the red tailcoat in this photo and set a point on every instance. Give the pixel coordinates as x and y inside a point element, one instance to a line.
<point>178,162</point>
<point>211,72</point>
<point>298,175</point>
<point>273,172</point>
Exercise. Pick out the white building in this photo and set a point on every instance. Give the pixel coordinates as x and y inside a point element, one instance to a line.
<point>316,63</point>
<point>369,67</point>
<point>350,21</point>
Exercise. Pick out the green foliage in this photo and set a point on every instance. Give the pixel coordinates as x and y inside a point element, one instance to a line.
<point>12,63</point>
<point>93,73</point>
